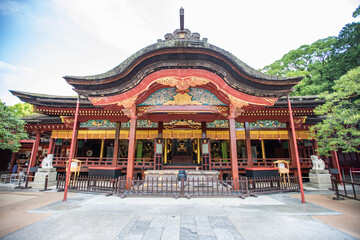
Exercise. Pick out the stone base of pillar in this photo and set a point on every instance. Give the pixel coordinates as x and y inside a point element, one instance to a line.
<point>40,176</point>
<point>320,179</point>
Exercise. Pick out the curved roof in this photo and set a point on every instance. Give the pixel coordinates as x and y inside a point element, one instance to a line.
<point>180,50</point>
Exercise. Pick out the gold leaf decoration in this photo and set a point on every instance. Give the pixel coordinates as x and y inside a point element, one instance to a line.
<point>182,83</point>
<point>182,99</point>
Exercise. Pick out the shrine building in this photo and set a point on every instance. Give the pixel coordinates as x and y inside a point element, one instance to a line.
<point>180,103</point>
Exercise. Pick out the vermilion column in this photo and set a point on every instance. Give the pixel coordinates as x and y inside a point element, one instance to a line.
<point>296,152</point>
<point>131,151</point>
<point>203,129</point>
<point>160,129</point>
<point>291,145</point>
<point>36,147</point>
<point>233,150</point>
<point>72,147</point>
<point>51,146</point>
<point>335,163</point>
<point>116,144</point>
<point>248,144</point>
<point>13,158</point>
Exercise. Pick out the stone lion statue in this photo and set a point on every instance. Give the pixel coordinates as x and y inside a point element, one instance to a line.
<point>47,162</point>
<point>317,163</point>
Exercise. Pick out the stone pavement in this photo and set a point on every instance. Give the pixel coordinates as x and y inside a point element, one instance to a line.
<point>90,216</point>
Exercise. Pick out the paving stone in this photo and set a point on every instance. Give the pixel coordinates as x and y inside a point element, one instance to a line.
<point>139,228</point>
<point>128,227</point>
<point>172,228</point>
<point>153,233</point>
<point>158,222</point>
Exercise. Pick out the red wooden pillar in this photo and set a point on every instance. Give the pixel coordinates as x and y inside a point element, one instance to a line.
<point>51,146</point>
<point>116,144</point>
<point>33,153</point>
<point>335,163</point>
<point>203,129</point>
<point>296,152</point>
<point>35,149</point>
<point>13,158</point>
<point>72,147</point>
<point>160,129</point>
<point>248,144</point>
<point>233,150</point>
<point>131,152</point>
<point>291,145</point>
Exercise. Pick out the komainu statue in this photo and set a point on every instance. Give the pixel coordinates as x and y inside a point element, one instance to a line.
<point>317,163</point>
<point>47,162</point>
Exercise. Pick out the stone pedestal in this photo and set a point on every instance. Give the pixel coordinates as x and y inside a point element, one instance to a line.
<point>320,179</point>
<point>202,178</point>
<point>40,175</point>
<point>161,178</point>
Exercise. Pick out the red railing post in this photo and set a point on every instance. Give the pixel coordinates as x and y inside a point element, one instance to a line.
<point>296,152</point>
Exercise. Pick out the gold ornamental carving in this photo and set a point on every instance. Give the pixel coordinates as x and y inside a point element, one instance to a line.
<point>182,99</point>
<point>96,100</point>
<point>127,102</point>
<point>237,102</point>
<point>272,101</point>
<point>182,83</point>
<point>129,106</point>
<point>236,106</point>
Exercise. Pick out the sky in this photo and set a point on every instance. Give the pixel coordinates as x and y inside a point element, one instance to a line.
<point>43,40</point>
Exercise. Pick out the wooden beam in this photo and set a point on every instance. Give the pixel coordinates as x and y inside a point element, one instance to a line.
<point>233,151</point>
<point>72,147</point>
<point>116,144</point>
<point>203,129</point>
<point>131,152</point>
<point>296,152</point>
<point>248,144</point>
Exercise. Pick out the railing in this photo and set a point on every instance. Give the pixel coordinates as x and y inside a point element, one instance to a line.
<point>242,187</point>
<point>344,192</point>
<point>144,163</point>
<point>221,164</point>
<point>148,163</point>
<point>273,184</point>
<point>89,184</point>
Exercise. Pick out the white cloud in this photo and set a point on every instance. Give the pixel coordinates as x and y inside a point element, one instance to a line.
<point>87,37</point>
<point>6,66</point>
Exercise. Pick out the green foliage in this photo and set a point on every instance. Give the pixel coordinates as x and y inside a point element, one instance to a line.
<point>356,12</point>
<point>341,127</point>
<point>11,129</point>
<point>22,109</point>
<point>322,62</point>
<point>345,54</point>
<point>307,61</point>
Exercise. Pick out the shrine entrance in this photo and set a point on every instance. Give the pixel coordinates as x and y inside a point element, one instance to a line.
<point>181,151</point>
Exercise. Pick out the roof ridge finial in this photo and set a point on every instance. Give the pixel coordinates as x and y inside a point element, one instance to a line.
<point>181,19</point>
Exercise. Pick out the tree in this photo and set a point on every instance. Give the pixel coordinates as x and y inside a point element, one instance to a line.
<point>345,54</point>
<point>22,109</point>
<point>356,12</point>
<point>11,129</point>
<point>341,127</point>
<point>307,61</point>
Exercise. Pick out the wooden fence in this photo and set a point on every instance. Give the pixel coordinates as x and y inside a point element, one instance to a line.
<point>344,191</point>
<point>195,187</point>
